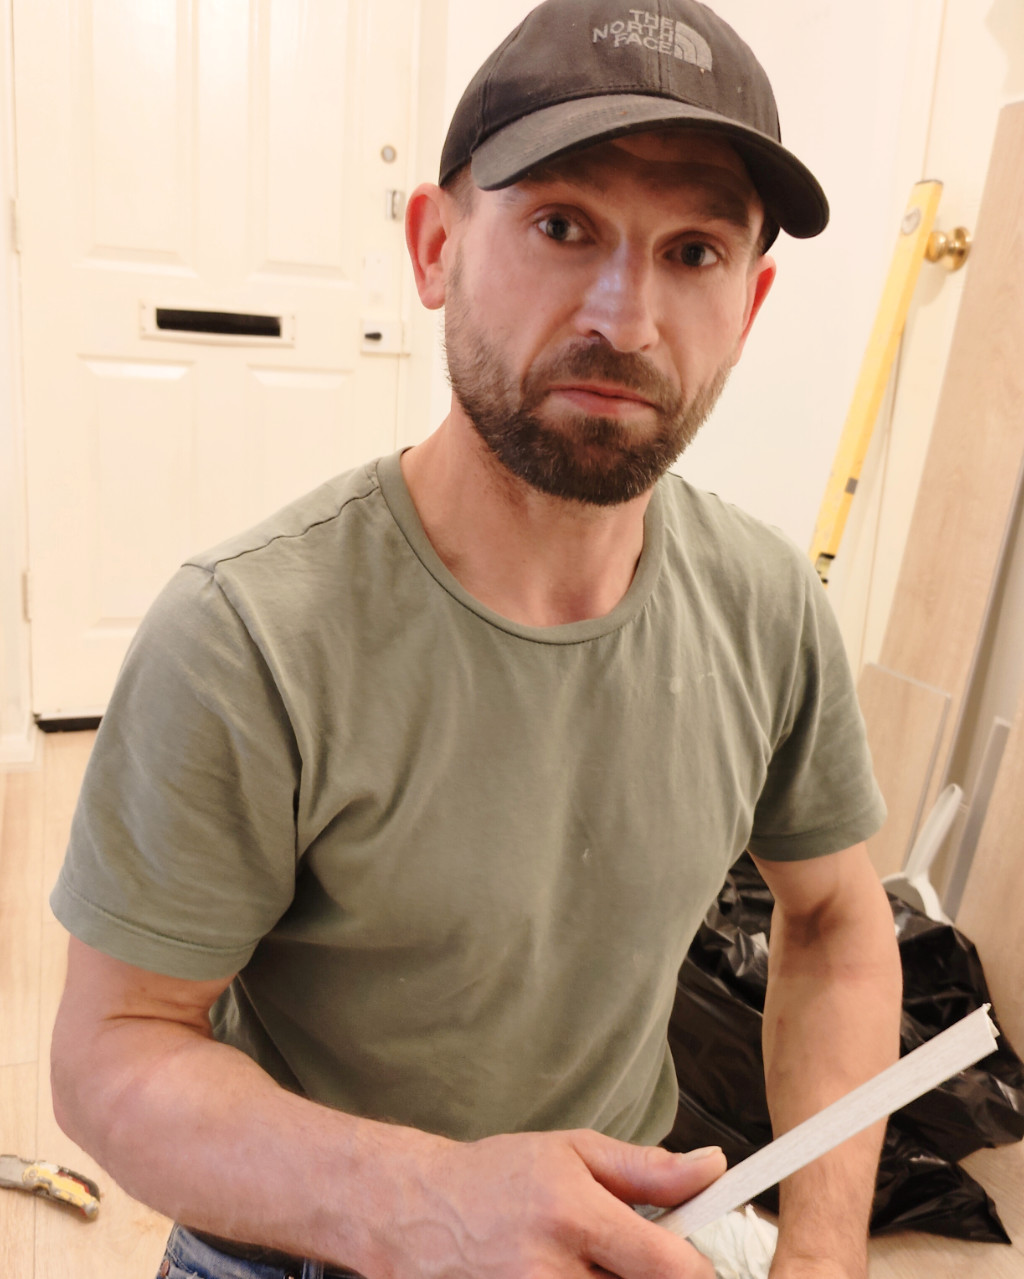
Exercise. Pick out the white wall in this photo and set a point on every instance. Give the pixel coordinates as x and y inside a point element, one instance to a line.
<point>16,729</point>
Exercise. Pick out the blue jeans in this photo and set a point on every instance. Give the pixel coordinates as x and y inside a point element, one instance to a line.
<point>190,1258</point>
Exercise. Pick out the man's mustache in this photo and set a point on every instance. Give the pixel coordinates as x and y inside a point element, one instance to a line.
<point>600,361</point>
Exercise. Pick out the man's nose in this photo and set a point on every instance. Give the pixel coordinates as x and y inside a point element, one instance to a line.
<point>619,304</point>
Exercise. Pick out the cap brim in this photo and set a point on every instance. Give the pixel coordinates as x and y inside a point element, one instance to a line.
<point>790,192</point>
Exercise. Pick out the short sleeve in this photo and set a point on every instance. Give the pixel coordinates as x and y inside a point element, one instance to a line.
<point>820,795</point>
<point>183,851</point>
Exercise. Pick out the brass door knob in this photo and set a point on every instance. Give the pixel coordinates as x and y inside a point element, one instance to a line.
<point>949,250</point>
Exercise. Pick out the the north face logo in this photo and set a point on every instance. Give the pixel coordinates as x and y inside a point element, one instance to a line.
<point>660,35</point>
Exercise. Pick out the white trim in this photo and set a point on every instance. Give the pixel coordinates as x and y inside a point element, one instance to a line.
<point>17,732</point>
<point>21,751</point>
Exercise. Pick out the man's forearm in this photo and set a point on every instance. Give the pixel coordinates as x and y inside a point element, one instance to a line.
<point>198,1131</point>
<point>831,1022</point>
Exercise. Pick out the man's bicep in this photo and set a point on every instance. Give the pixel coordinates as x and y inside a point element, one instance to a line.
<point>101,991</point>
<point>812,885</point>
<point>116,1029</point>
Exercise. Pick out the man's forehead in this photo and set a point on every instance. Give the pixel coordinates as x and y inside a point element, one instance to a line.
<point>665,156</point>
<point>667,159</point>
<point>676,146</point>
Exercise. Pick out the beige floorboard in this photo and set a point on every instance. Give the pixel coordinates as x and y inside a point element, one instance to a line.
<point>903,759</point>
<point>992,912</point>
<point>66,757</point>
<point>20,890</point>
<point>17,1134</point>
<point>40,1240</point>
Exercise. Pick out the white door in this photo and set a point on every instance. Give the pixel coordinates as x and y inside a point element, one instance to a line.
<point>184,164</point>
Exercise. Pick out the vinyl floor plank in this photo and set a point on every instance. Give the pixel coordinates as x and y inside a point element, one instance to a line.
<point>126,1241</point>
<point>39,1239</point>
<point>991,913</point>
<point>904,721</point>
<point>66,755</point>
<point>21,822</point>
<point>17,1137</point>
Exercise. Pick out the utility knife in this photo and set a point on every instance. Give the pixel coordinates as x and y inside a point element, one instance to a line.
<point>52,1182</point>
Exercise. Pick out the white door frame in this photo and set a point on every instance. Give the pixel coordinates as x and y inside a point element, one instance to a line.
<point>18,734</point>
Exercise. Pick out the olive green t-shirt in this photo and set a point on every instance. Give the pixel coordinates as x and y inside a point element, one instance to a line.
<point>455,861</point>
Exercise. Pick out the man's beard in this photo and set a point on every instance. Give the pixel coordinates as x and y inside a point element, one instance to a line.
<point>585,458</point>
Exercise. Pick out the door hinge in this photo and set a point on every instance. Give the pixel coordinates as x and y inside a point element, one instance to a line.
<point>26,596</point>
<point>16,243</point>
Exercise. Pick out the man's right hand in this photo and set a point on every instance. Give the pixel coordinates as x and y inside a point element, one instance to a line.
<point>547,1205</point>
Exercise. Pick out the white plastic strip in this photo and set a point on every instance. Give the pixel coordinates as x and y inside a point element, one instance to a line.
<point>934,1062</point>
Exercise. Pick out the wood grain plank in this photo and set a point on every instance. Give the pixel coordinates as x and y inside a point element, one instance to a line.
<point>17,1137</point>
<point>66,757</point>
<point>971,476</point>
<point>127,1239</point>
<point>991,912</point>
<point>904,721</point>
<point>21,824</point>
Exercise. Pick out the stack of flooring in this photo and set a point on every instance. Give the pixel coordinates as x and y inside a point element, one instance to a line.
<point>915,697</point>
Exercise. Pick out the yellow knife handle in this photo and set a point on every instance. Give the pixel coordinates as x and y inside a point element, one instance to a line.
<point>63,1185</point>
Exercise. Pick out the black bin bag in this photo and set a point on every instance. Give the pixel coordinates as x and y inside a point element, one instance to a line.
<point>715,1035</point>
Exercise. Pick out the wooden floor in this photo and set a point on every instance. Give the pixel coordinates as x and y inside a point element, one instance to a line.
<point>42,1241</point>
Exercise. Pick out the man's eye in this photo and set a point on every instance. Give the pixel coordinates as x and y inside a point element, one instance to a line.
<point>698,255</point>
<point>556,226</point>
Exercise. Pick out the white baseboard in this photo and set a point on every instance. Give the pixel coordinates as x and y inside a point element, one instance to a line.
<point>20,750</point>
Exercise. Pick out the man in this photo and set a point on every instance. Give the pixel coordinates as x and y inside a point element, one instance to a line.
<point>418,791</point>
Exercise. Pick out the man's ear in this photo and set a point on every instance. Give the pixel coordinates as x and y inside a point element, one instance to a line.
<point>762,277</point>
<point>427,222</point>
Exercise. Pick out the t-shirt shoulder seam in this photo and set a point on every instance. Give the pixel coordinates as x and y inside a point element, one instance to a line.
<point>212,567</point>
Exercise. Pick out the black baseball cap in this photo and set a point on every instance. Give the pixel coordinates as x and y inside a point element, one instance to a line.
<point>577,72</point>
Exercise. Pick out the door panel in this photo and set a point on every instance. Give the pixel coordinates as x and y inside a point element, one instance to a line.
<point>206,155</point>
